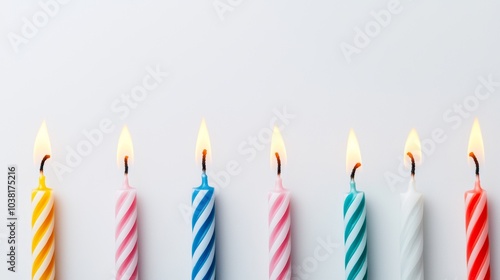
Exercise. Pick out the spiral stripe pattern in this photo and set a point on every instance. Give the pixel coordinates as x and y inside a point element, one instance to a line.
<point>43,242</point>
<point>203,227</point>
<point>356,266</point>
<point>478,245</point>
<point>412,238</point>
<point>279,236</point>
<point>126,254</point>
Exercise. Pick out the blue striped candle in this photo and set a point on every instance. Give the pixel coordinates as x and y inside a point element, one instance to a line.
<point>356,265</point>
<point>203,227</point>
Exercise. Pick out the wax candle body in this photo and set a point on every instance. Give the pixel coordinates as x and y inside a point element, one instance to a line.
<point>127,253</point>
<point>42,224</point>
<point>412,234</point>
<point>280,244</point>
<point>203,227</point>
<point>356,265</point>
<point>478,245</point>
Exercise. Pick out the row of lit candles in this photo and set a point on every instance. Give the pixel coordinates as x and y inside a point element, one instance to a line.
<point>203,220</point>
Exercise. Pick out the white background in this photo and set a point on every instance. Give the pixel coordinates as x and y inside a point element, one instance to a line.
<point>265,56</point>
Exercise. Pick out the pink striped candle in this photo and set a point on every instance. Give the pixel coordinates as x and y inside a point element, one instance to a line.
<point>126,250</point>
<point>280,245</point>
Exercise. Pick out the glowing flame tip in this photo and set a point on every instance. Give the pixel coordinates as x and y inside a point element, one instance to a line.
<point>476,145</point>
<point>353,153</point>
<point>42,145</point>
<point>414,147</point>
<point>203,143</point>
<point>125,147</point>
<point>277,146</point>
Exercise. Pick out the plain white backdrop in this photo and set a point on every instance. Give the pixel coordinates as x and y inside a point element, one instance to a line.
<point>244,65</point>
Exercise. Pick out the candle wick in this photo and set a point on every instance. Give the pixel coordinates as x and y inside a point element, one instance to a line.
<point>473,156</point>
<point>412,163</point>
<point>204,161</point>
<point>126,164</point>
<point>279,163</point>
<point>46,157</point>
<point>358,165</point>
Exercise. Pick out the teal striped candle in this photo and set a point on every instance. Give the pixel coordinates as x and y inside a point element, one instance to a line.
<point>356,265</point>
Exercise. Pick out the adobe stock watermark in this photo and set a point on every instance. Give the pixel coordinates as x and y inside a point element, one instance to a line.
<point>48,9</point>
<point>363,36</point>
<point>121,107</point>
<point>321,253</point>
<point>453,118</point>
<point>222,7</point>
<point>247,149</point>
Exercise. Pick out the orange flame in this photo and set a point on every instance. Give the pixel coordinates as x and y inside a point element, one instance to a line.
<point>414,147</point>
<point>125,147</point>
<point>277,146</point>
<point>353,154</point>
<point>476,143</point>
<point>203,143</point>
<point>42,144</point>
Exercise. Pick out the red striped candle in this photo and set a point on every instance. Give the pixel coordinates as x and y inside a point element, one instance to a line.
<point>476,224</point>
<point>476,216</point>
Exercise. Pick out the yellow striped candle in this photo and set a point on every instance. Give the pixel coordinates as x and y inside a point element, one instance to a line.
<point>42,224</point>
<point>42,219</point>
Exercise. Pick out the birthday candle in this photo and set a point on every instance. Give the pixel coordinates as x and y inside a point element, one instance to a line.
<point>476,216</point>
<point>203,223</point>
<point>280,244</point>
<point>412,212</point>
<point>356,265</point>
<point>126,249</point>
<point>42,221</point>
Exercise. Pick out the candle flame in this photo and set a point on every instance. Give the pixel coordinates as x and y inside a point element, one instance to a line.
<point>353,154</point>
<point>414,147</point>
<point>476,143</point>
<point>203,143</point>
<point>42,144</point>
<point>277,146</point>
<point>125,147</point>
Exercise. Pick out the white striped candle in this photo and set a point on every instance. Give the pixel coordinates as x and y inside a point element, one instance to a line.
<point>412,215</point>
<point>412,234</point>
